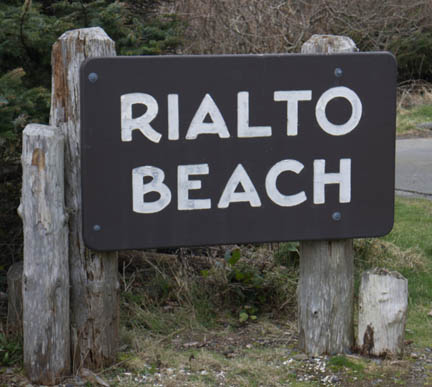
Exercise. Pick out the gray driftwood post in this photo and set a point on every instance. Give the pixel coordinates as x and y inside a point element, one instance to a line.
<point>46,272</point>
<point>383,304</point>
<point>326,285</point>
<point>93,275</point>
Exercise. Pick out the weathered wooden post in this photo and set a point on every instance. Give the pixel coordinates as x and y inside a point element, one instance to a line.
<point>46,326</point>
<point>93,275</point>
<point>326,285</point>
<point>383,304</point>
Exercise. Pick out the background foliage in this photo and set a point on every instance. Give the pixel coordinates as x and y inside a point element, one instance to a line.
<point>257,26</point>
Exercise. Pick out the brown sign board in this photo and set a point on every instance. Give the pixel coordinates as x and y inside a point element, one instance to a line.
<point>199,150</point>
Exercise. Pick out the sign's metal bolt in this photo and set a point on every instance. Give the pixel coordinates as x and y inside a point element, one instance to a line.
<point>336,216</point>
<point>338,72</point>
<point>93,77</point>
<point>96,227</point>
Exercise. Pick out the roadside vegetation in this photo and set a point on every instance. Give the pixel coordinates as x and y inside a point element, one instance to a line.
<point>414,110</point>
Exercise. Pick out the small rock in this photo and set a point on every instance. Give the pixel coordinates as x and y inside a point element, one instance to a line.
<point>400,363</point>
<point>191,344</point>
<point>377,361</point>
<point>430,314</point>
<point>334,379</point>
<point>229,353</point>
<point>424,125</point>
<point>414,356</point>
<point>300,357</point>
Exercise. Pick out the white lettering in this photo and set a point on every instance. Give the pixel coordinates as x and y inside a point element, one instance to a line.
<point>173,117</point>
<point>198,126</point>
<point>184,185</point>
<point>139,189</point>
<point>320,111</point>
<point>243,128</point>
<point>249,193</point>
<point>142,123</point>
<point>271,179</point>
<point>343,178</point>
<point>292,99</point>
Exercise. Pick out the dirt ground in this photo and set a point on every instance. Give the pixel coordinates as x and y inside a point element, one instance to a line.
<point>264,353</point>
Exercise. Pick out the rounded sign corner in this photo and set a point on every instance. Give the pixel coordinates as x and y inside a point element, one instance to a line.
<point>391,58</point>
<point>89,243</point>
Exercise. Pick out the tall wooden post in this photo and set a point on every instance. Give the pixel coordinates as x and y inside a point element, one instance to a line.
<point>326,286</point>
<point>93,275</point>
<point>46,273</point>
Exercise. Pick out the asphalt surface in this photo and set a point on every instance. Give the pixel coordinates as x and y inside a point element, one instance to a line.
<point>414,167</point>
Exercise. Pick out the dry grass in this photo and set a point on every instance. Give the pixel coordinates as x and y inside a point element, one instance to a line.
<point>385,254</point>
<point>256,26</point>
<point>248,355</point>
<point>414,93</point>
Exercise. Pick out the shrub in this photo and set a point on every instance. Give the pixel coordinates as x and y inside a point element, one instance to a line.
<point>256,26</point>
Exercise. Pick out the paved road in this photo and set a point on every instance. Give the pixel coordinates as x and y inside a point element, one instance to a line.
<point>414,167</point>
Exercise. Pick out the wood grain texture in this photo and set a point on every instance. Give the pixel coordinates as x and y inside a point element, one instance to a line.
<point>325,297</point>
<point>93,275</point>
<point>325,290</point>
<point>383,305</point>
<point>45,286</point>
<point>328,44</point>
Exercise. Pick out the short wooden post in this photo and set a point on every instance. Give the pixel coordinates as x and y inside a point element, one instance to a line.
<point>46,326</point>
<point>383,305</point>
<point>93,275</point>
<point>326,285</point>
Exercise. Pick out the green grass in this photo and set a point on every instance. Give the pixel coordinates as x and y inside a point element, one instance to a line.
<point>419,325</point>
<point>407,119</point>
<point>337,363</point>
<point>413,224</point>
<point>413,229</point>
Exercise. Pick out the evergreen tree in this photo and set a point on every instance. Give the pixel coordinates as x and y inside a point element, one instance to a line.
<point>28,30</point>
